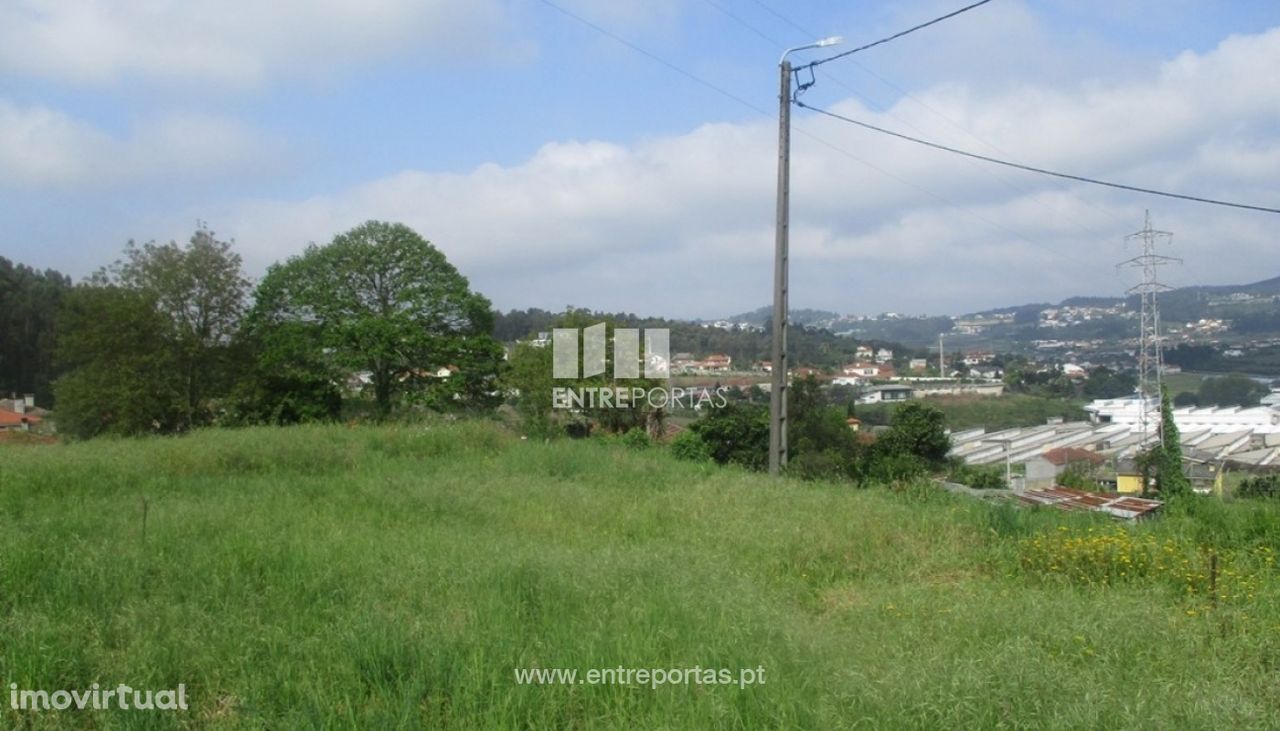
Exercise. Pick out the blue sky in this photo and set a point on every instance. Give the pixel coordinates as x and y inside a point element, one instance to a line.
<point>556,166</point>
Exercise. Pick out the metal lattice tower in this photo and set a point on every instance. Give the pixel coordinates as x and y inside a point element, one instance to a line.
<point>1150,358</point>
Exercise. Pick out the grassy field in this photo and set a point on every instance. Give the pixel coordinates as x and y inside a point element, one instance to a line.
<point>398,577</point>
<point>1179,382</point>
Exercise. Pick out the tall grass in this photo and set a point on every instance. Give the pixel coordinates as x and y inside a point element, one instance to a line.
<point>395,577</point>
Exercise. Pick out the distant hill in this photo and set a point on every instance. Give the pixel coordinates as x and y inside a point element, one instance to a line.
<point>1267,287</point>
<point>798,317</point>
<point>1252,309</point>
<point>1189,299</point>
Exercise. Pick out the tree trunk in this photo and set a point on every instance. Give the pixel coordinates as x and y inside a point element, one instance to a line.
<point>382,394</point>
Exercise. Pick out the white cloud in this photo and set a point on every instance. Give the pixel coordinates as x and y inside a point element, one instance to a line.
<point>236,42</point>
<point>45,148</point>
<point>683,225</point>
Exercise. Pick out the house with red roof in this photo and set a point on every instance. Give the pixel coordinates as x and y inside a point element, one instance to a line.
<point>1043,471</point>
<point>15,421</point>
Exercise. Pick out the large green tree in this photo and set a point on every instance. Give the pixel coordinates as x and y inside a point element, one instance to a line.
<point>382,301</point>
<point>201,292</point>
<point>121,373</point>
<point>29,302</point>
<point>1231,390</point>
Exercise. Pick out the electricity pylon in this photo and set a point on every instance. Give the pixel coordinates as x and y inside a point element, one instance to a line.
<point>1150,356</point>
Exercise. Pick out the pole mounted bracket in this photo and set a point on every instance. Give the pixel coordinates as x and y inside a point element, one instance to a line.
<point>801,85</point>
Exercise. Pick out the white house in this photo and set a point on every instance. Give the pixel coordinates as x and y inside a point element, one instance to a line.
<point>887,394</point>
<point>864,370</point>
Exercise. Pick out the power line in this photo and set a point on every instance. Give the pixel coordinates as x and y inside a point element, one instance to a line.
<point>737,19</point>
<point>784,18</point>
<point>1007,182</point>
<point>895,36</point>
<point>1022,190</point>
<point>801,130</point>
<point>654,57</point>
<point>1029,168</point>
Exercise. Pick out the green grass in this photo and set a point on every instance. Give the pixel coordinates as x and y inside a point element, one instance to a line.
<point>1179,382</point>
<point>396,577</point>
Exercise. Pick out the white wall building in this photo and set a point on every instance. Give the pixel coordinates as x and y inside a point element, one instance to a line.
<point>1127,411</point>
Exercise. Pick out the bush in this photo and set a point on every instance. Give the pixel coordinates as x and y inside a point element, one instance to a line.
<point>578,429</point>
<point>918,430</point>
<point>636,439</point>
<point>977,476</point>
<point>1260,487</point>
<point>816,466</point>
<point>687,445</point>
<point>736,434</point>
<point>886,466</point>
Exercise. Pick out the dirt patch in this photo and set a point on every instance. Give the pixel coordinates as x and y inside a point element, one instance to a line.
<point>26,438</point>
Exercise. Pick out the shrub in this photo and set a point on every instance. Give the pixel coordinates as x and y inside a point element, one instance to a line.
<point>886,466</point>
<point>1078,475</point>
<point>636,438</point>
<point>736,434</point>
<point>977,476</point>
<point>918,430</point>
<point>687,445</point>
<point>816,466</point>
<point>578,429</point>
<point>1260,487</point>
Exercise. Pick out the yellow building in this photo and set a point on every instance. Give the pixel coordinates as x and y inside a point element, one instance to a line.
<point>1128,480</point>
<point>1206,477</point>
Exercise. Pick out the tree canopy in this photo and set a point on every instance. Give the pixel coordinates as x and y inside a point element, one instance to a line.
<point>147,343</point>
<point>380,300</point>
<point>29,302</point>
<point>201,292</point>
<point>1231,390</point>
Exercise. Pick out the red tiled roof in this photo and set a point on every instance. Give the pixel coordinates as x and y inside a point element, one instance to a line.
<point>13,418</point>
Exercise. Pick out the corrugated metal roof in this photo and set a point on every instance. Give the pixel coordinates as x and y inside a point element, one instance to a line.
<point>1066,455</point>
<point>1066,498</point>
<point>1242,446</point>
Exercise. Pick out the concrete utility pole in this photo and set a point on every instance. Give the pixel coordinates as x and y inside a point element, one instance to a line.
<point>781,367</point>
<point>942,363</point>
<point>778,392</point>
<point>1008,464</point>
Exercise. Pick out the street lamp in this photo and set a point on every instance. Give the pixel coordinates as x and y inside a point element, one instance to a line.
<point>778,392</point>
